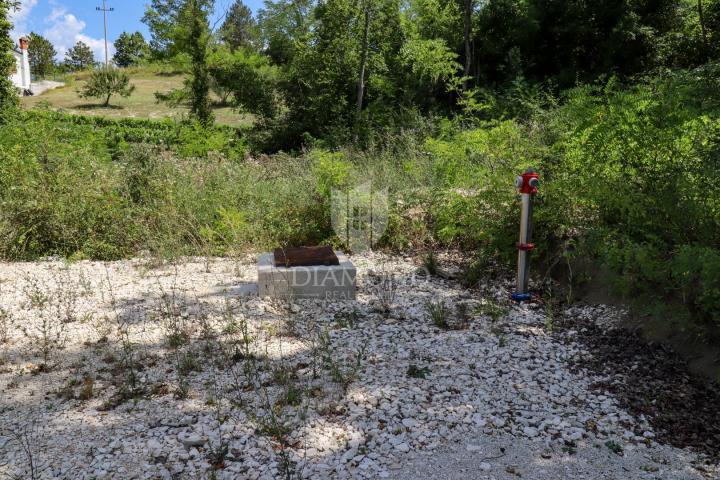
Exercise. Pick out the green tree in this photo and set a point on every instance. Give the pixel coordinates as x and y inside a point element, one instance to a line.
<point>239,28</point>
<point>105,82</point>
<point>79,57</point>
<point>42,55</point>
<point>349,70</point>
<point>130,49</point>
<point>285,27</point>
<point>8,95</point>
<point>196,35</point>
<point>248,78</point>
<point>161,17</point>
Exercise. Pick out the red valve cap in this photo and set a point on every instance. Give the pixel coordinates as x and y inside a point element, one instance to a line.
<point>530,182</point>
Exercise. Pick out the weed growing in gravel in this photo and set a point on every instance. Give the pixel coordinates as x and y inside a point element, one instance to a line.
<point>26,437</point>
<point>549,318</point>
<point>386,291</point>
<point>491,309</point>
<point>7,323</point>
<point>347,319</point>
<point>462,316</point>
<point>7,320</point>
<point>414,371</point>
<point>343,371</point>
<point>46,331</point>
<point>130,386</point>
<point>430,263</point>
<point>266,390</point>
<point>614,447</point>
<point>439,313</point>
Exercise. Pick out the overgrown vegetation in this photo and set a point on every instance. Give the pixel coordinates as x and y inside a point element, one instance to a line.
<point>620,117</point>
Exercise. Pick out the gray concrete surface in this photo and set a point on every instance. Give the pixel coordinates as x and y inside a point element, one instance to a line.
<point>38,88</point>
<point>333,282</point>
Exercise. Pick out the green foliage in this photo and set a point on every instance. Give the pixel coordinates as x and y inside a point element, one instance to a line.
<point>332,171</point>
<point>439,314</point>
<point>246,79</point>
<point>321,90</point>
<point>130,49</point>
<point>239,29</point>
<point>285,27</point>
<point>161,17</point>
<point>8,95</point>
<point>430,59</point>
<point>106,82</point>
<point>79,57</point>
<point>195,20</point>
<point>42,55</point>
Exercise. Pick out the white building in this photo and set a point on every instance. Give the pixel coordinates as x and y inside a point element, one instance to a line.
<point>21,76</point>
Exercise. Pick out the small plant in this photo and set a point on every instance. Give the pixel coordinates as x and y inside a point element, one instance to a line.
<point>439,313</point>
<point>430,263</point>
<point>48,337</point>
<point>128,364</point>
<point>106,82</point>
<point>386,292</point>
<point>492,310</point>
<point>216,455</point>
<point>348,319</point>
<point>26,437</point>
<point>86,392</point>
<point>188,363</point>
<point>6,324</point>
<point>549,319</point>
<point>462,315</point>
<point>414,371</point>
<point>614,447</point>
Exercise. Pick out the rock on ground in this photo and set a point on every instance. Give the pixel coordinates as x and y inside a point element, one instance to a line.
<point>141,370</point>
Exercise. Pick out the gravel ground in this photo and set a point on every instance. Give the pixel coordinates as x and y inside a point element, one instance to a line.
<point>136,370</point>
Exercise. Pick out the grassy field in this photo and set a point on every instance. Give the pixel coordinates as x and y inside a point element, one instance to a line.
<point>141,104</point>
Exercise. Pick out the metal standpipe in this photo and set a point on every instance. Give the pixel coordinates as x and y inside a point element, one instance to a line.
<point>527,184</point>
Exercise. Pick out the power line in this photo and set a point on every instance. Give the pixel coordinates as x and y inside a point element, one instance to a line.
<point>105,10</point>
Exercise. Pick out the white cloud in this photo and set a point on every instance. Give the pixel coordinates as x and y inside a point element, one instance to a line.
<point>19,18</point>
<point>65,30</point>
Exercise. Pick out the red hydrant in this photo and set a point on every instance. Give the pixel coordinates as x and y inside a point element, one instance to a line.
<point>527,184</point>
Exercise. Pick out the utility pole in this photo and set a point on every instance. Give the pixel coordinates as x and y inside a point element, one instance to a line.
<point>104,9</point>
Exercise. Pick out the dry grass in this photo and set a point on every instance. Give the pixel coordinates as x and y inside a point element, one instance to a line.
<point>141,104</point>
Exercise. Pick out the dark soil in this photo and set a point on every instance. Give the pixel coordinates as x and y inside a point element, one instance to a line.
<point>651,379</point>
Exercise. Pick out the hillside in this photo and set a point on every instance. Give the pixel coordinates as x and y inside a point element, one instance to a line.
<point>141,104</point>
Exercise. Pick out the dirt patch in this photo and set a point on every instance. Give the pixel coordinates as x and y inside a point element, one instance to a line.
<point>650,379</point>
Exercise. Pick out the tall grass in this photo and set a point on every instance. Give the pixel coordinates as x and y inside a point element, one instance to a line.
<point>629,175</point>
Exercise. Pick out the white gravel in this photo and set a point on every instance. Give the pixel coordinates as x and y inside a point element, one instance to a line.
<point>503,383</point>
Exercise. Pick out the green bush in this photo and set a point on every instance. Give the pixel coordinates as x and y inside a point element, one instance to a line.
<point>106,82</point>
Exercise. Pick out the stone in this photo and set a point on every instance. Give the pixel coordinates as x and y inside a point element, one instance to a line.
<point>190,440</point>
<point>324,282</point>
<point>402,447</point>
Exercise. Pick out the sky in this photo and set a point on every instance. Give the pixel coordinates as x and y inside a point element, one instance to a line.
<point>65,22</point>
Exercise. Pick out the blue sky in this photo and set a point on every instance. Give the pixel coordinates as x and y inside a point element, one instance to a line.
<point>64,22</point>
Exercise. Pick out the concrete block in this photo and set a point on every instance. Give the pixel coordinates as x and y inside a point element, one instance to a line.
<point>334,282</point>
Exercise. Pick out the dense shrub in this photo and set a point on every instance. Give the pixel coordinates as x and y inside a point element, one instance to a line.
<point>628,178</point>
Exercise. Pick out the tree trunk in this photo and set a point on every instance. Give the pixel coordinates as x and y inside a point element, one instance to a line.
<point>107,100</point>
<point>467,16</point>
<point>703,31</point>
<point>363,66</point>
